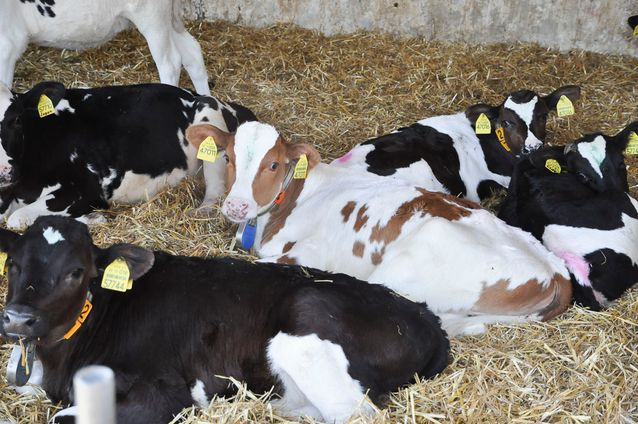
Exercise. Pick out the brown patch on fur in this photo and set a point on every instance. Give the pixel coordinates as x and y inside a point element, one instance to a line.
<point>436,204</point>
<point>528,298</point>
<point>362,218</point>
<point>358,248</point>
<point>267,182</point>
<point>279,214</point>
<point>287,260</point>
<point>347,210</point>
<point>288,246</point>
<point>377,256</point>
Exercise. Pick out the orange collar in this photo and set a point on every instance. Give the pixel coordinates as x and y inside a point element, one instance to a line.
<point>86,309</point>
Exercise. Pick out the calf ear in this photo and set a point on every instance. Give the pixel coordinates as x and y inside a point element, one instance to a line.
<point>294,152</point>
<point>7,238</point>
<point>196,133</point>
<point>138,259</point>
<point>633,21</point>
<point>473,112</point>
<point>572,92</point>
<point>621,139</point>
<point>53,90</point>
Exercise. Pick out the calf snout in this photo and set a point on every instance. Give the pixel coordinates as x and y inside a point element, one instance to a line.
<point>19,321</point>
<point>235,209</point>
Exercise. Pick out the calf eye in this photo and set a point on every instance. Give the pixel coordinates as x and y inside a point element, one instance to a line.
<point>274,166</point>
<point>226,158</point>
<point>506,124</point>
<point>77,273</point>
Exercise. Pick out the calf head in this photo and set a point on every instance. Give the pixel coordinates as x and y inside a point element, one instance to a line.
<point>258,159</point>
<point>598,159</point>
<point>523,116</point>
<point>50,269</point>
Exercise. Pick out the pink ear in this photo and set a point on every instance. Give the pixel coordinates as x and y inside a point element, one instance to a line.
<point>196,133</point>
<point>294,151</point>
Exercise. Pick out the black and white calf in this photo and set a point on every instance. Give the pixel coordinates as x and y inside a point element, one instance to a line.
<point>444,153</point>
<point>321,339</point>
<point>119,143</point>
<point>574,199</point>
<point>80,24</point>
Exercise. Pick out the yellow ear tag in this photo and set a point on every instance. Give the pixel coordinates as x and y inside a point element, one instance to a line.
<point>3,263</point>
<point>553,166</point>
<point>207,150</point>
<point>301,168</point>
<point>500,135</point>
<point>483,125</point>
<point>45,106</point>
<point>564,107</point>
<point>632,144</point>
<point>636,31</point>
<point>116,276</point>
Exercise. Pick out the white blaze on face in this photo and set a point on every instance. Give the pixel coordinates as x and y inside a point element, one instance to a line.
<point>594,152</point>
<point>52,235</point>
<point>526,112</point>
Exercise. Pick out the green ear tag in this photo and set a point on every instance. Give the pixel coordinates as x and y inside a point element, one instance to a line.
<point>483,125</point>
<point>632,144</point>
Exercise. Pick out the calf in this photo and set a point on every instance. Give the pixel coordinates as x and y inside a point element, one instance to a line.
<point>469,266</point>
<point>120,143</point>
<point>444,153</point>
<point>80,24</point>
<point>574,199</point>
<point>321,339</point>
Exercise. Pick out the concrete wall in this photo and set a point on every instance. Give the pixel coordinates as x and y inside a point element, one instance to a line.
<point>595,25</point>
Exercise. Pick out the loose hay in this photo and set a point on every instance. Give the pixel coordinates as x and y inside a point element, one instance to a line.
<point>334,92</point>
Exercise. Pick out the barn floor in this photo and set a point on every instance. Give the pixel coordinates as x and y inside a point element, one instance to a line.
<point>335,92</point>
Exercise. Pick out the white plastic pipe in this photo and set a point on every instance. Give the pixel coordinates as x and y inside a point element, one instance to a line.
<point>94,391</point>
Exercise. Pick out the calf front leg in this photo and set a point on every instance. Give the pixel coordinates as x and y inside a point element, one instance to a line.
<point>11,48</point>
<point>192,59</point>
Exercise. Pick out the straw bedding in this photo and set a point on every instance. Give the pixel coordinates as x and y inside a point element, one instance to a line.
<point>337,91</point>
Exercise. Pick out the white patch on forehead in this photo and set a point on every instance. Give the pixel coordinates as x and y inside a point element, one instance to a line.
<point>52,235</point>
<point>63,105</point>
<point>524,110</point>
<point>594,152</point>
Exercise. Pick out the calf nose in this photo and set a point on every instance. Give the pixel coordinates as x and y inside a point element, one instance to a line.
<point>20,321</point>
<point>235,208</point>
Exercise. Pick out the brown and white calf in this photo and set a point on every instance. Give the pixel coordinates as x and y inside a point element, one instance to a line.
<point>470,267</point>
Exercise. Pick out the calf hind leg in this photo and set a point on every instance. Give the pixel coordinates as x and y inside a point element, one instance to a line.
<point>192,59</point>
<point>315,371</point>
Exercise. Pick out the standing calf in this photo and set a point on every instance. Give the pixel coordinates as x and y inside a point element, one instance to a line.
<point>444,153</point>
<point>321,339</point>
<point>80,24</point>
<point>574,199</point>
<point>98,145</point>
<point>469,266</point>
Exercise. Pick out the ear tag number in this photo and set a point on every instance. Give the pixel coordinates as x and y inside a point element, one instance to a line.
<point>207,150</point>
<point>45,106</point>
<point>553,166</point>
<point>117,276</point>
<point>3,263</point>
<point>500,135</point>
<point>564,107</point>
<point>301,168</point>
<point>483,125</point>
<point>632,144</point>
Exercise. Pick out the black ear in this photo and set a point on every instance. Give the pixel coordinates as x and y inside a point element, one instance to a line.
<point>621,139</point>
<point>633,21</point>
<point>7,239</point>
<point>572,92</point>
<point>53,90</point>
<point>139,259</point>
<point>473,112</point>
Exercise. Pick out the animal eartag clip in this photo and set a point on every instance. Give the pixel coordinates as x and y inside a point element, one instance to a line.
<point>301,168</point>
<point>564,107</point>
<point>207,150</point>
<point>632,144</point>
<point>553,166</point>
<point>45,106</point>
<point>3,263</point>
<point>117,276</point>
<point>500,135</point>
<point>636,31</point>
<point>483,125</point>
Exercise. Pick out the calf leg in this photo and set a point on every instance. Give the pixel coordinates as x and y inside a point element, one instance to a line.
<point>192,59</point>
<point>10,51</point>
<point>317,371</point>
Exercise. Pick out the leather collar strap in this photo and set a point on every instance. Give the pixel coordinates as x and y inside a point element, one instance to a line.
<point>282,194</point>
<point>86,309</point>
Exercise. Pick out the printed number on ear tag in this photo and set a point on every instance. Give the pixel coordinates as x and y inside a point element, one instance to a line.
<point>3,263</point>
<point>500,135</point>
<point>301,168</point>
<point>207,150</point>
<point>45,106</point>
<point>483,125</point>
<point>632,144</point>
<point>553,166</point>
<point>116,276</point>
<point>564,107</point>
